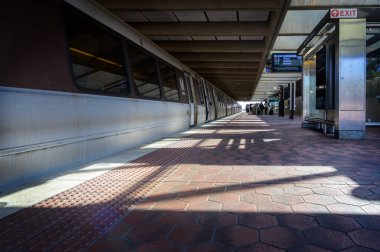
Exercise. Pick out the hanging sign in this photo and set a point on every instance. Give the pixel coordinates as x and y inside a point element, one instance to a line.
<point>344,13</point>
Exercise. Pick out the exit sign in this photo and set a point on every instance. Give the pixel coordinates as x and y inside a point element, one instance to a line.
<point>343,13</point>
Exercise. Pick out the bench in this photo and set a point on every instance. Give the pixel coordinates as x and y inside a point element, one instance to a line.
<point>326,126</point>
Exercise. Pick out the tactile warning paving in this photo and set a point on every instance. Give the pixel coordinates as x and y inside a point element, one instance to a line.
<point>73,219</point>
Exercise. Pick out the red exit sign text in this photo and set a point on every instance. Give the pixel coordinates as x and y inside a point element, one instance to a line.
<point>343,13</point>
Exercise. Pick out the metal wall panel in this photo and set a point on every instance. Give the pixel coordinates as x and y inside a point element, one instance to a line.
<point>351,120</point>
<point>42,132</point>
<point>350,114</point>
<point>352,53</point>
<point>352,77</point>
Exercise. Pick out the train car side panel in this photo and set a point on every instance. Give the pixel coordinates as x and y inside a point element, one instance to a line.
<point>50,131</point>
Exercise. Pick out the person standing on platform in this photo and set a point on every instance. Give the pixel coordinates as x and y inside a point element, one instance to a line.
<point>261,108</point>
<point>266,104</point>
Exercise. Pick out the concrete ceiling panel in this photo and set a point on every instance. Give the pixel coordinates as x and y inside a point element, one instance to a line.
<point>192,5</point>
<point>226,70</point>
<point>131,16</point>
<point>223,40</point>
<point>222,64</point>
<point>160,16</point>
<point>288,42</point>
<point>203,29</point>
<point>301,21</point>
<point>218,16</point>
<point>158,38</point>
<point>203,38</point>
<point>213,46</point>
<point>253,16</point>
<point>251,37</point>
<point>183,56</point>
<point>227,37</point>
<point>191,16</point>
<point>180,38</point>
<point>333,3</point>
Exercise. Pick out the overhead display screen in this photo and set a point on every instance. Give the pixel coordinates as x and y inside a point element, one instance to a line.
<point>286,62</point>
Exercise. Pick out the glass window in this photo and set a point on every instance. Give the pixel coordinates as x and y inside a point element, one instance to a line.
<point>201,93</point>
<point>210,94</point>
<point>169,82</point>
<point>198,94</point>
<point>182,85</point>
<point>373,76</point>
<point>144,73</point>
<point>189,89</point>
<point>96,55</point>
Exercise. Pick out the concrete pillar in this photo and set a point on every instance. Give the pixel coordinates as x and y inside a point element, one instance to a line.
<point>351,79</point>
<point>292,99</point>
<point>309,99</point>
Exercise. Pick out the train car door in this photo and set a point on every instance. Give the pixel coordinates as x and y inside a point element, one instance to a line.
<point>211,102</point>
<point>189,87</point>
<point>214,102</point>
<point>199,102</point>
<point>204,94</point>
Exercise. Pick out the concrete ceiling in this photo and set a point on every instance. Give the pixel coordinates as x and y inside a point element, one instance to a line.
<point>293,32</point>
<point>224,41</point>
<point>300,20</point>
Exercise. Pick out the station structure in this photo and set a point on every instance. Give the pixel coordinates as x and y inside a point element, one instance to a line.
<point>120,127</point>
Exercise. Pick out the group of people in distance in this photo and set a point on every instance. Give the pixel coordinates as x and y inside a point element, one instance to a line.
<point>260,109</point>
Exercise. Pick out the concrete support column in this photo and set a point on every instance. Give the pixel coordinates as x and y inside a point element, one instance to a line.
<point>309,86</point>
<point>351,79</point>
<point>292,99</point>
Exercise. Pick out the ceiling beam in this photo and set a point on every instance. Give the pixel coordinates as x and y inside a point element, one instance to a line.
<point>279,79</point>
<point>225,70</point>
<point>164,5</point>
<point>202,28</point>
<point>230,75</point>
<point>229,81</point>
<point>214,79</point>
<point>222,64</point>
<point>231,56</point>
<point>212,46</point>
<point>243,87</point>
<point>237,89</point>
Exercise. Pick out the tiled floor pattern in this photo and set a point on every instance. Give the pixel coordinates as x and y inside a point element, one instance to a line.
<point>71,220</point>
<point>248,184</point>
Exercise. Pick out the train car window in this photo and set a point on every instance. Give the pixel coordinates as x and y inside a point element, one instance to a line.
<point>144,73</point>
<point>201,93</point>
<point>210,95</point>
<point>188,84</point>
<point>198,94</point>
<point>169,82</point>
<point>182,85</point>
<point>96,55</point>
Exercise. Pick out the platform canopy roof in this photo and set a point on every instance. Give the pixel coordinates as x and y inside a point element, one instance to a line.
<point>301,18</point>
<point>228,41</point>
<point>225,41</point>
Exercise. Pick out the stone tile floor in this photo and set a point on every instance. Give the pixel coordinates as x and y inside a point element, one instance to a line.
<point>253,183</point>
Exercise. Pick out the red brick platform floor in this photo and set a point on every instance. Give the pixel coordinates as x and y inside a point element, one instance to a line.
<point>253,183</point>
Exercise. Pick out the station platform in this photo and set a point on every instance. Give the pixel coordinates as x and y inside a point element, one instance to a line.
<point>242,183</point>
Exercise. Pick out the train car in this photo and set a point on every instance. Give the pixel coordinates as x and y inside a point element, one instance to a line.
<point>78,84</point>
